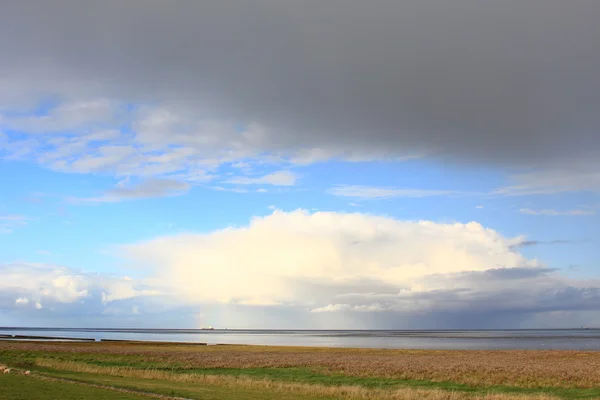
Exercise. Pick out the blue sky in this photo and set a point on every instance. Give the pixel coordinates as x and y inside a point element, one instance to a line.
<point>82,234</point>
<point>407,166</point>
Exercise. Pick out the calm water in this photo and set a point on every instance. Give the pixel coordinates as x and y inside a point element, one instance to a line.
<point>575,339</point>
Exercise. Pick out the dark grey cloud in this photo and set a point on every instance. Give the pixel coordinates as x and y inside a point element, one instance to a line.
<point>499,82</point>
<point>529,243</point>
<point>149,188</point>
<point>142,190</point>
<point>514,273</point>
<point>500,298</point>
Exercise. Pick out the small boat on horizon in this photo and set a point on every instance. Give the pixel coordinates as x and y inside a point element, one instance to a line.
<point>208,328</point>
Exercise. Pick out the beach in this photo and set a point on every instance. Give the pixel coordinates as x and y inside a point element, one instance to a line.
<point>198,371</point>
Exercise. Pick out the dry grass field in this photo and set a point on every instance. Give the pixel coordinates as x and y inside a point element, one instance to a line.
<point>321,372</point>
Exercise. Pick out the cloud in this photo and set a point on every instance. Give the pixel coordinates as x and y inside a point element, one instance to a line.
<point>71,117</point>
<point>105,146</point>
<point>360,265</point>
<point>358,269</point>
<point>555,213</point>
<point>37,282</point>
<point>143,190</point>
<point>230,189</point>
<point>571,178</point>
<point>375,307</point>
<point>279,257</point>
<point>9,222</point>
<point>280,178</point>
<point>457,82</point>
<point>369,192</point>
<point>527,243</point>
<point>125,288</point>
<point>30,285</point>
<point>22,300</point>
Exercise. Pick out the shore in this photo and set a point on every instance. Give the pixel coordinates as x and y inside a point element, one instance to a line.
<point>199,371</point>
<point>37,337</point>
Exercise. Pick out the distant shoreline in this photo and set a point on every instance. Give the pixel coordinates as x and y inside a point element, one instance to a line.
<point>200,330</point>
<point>563,339</point>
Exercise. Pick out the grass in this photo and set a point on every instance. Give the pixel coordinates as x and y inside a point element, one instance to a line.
<point>533,369</point>
<point>19,387</point>
<point>306,381</point>
<point>315,373</point>
<point>220,389</point>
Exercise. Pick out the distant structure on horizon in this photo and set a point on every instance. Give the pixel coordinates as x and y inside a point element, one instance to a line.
<point>208,328</point>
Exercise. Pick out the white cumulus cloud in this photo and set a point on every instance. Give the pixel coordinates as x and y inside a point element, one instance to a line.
<point>22,300</point>
<point>325,269</point>
<point>44,284</point>
<point>285,255</point>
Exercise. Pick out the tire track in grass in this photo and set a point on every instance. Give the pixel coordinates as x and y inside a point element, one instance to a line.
<point>44,377</point>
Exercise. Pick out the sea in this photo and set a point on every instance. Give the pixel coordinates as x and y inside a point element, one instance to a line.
<point>563,339</point>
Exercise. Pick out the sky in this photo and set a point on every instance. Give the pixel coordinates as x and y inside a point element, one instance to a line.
<point>302,165</point>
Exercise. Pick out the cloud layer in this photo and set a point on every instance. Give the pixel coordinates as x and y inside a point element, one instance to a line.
<point>355,267</point>
<point>333,262</point>
<point>239,98</point>
<point>501,83</point>
<point>62,290</point>
<point>145,189</point>
<point>556,213</point>
<point>370,192</point>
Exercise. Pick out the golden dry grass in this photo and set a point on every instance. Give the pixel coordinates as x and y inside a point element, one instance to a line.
<point>341,392</point>
<point>522,368</point>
